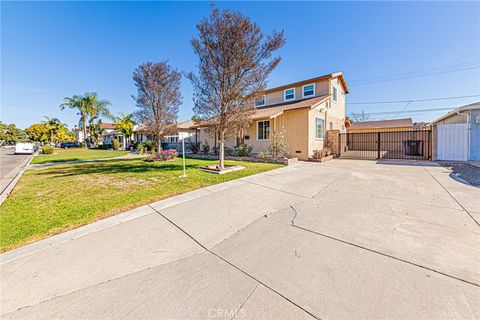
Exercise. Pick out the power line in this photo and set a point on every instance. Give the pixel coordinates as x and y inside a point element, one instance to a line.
<point>408,103</point>
<point>415,100</point>
<point>418,73</point>
<point>409,111</point>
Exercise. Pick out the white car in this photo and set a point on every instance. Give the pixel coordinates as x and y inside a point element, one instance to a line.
<point>24,148</point>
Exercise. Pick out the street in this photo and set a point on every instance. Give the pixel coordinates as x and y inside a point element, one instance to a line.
<point>10,164</point>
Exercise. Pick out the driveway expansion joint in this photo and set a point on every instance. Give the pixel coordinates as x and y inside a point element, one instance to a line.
<point>464,209</point>
<point>99,283</point>
<point>236,267</point>
<point>385,255</point>
<point>243,303</point>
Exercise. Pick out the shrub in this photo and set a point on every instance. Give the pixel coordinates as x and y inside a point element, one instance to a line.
<point>243,150</point>
<point>150,145</point>
<point>327,151</point>
<point>278,147</point>
<point>105,146</point>
<point>319,154</point>
<point>205,148</point>
<point>215,150</point>
<point>195,147</point>
<point>262,154</point>
<point>116,144</point>
<point>163,155</point>
<point>228,151</point>
<point>48,150</point>
<point>140,148</point>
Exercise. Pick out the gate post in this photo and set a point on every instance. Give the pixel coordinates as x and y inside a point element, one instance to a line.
<point>378,145</point>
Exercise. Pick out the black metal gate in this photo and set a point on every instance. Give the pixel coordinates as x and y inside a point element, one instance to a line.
<point>398,144</point>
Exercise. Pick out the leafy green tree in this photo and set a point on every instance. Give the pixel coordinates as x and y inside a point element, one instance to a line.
<point>96,131</point>
<point>91,109</point>
<point>125,125</point>
<point>96,108</point>
<point>53,125</point>
<point>38,132</point>
<point>78,103</point>
<point>10,134</point>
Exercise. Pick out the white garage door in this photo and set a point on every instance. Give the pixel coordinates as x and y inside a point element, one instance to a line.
<point>452,141</point>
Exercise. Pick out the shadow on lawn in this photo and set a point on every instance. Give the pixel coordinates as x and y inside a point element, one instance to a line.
<point>116,166</point>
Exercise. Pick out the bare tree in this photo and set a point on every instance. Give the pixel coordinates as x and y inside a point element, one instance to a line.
<point>235,60</point>
<point>158,98</point>
<point>360,117</point>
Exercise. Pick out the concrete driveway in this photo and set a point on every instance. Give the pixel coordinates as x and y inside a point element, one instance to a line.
<point>347,239</point>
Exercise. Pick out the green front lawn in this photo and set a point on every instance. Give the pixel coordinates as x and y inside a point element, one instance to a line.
<point>51,200</point>
<point>73,154</point>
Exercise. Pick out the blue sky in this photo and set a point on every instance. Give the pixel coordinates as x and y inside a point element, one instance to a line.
<point>50,50</point>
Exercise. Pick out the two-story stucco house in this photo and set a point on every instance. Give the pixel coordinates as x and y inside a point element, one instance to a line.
<point>301,111</point>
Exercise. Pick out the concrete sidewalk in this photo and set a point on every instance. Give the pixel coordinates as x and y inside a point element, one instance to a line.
<point>344,239</point>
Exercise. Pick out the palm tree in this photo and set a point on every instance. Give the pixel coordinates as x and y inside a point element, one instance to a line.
<point>96,108</point>
<point>125,125</point>
<point>53,126</point>
<point>79,103</point>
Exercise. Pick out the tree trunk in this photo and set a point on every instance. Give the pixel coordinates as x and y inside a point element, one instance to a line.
<point>159,142</point>
<point>222,151</point>
<point>84,132</point>
<point>51,136</point>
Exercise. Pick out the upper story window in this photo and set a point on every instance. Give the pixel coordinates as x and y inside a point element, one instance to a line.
<point>335,94</point>
<point>289,94</point>
<point>263,130</point>
<point>308,90</point>
<point>261,101</point>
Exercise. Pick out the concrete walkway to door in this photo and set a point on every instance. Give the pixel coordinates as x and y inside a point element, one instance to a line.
<point>345,239</point>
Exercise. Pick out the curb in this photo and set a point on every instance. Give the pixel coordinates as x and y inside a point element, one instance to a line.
<point>9,188</point>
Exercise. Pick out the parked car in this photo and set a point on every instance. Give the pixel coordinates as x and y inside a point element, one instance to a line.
<point>24,148</point>
<point>66,145</point>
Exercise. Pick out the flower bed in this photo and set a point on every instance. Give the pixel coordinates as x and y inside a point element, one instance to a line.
<point>285,161</point>
<point>324,159</point>
<point>163,155</point>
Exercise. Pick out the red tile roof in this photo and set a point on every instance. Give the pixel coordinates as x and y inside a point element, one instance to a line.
<point>107,125</point>
<point>396,123</point>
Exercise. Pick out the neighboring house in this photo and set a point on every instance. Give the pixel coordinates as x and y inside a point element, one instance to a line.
<point>456,135</point>
<point>185,131</point>
<point>78,132</point>
<point>302,112</point>
<point>110,133</point>
<point>381,126</point>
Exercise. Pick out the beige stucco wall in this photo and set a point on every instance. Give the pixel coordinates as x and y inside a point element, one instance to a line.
<point>297,126</point>
<point>337,109</point>
<point>334,120</point>
<point>293,125</point>
<point>321,88</point>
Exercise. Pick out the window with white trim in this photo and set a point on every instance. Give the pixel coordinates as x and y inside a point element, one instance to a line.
<point>261,101</point>
<point>335,94</point>
<point>319,128</point>
<point>308,90</point>
<point>289,94</point>
<point>263,130</point>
